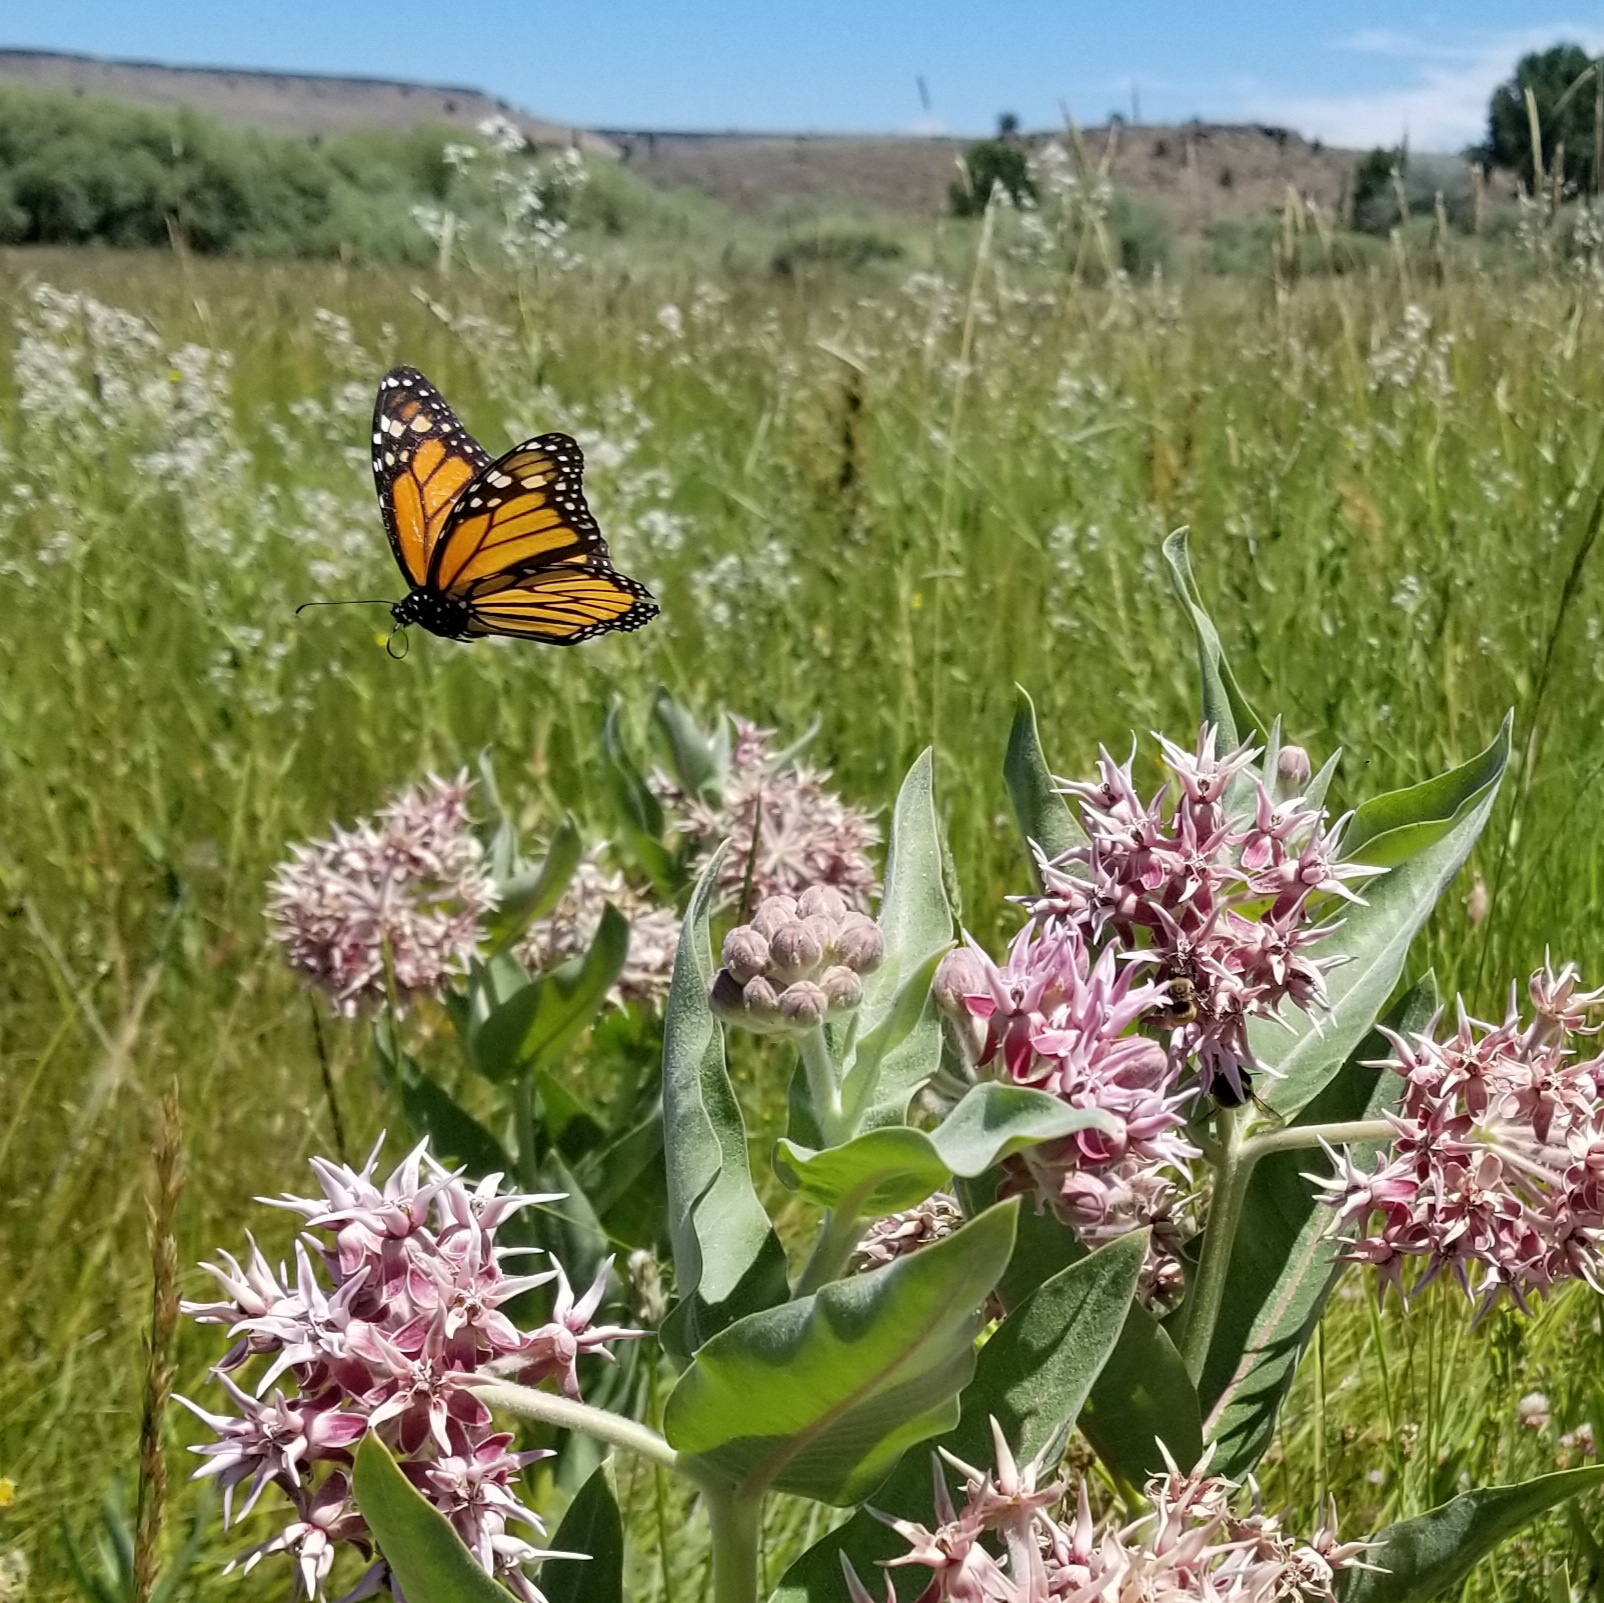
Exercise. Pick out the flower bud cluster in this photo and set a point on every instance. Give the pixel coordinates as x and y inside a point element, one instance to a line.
<point>1190,1547</point>
<point>798,962</point>
<point>396,1304</point>
<point>1497,1167</point>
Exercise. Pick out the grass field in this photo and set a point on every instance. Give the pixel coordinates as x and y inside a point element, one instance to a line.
<point>877,499</point>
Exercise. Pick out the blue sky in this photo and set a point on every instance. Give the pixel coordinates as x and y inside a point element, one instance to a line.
<point>1360,73</point>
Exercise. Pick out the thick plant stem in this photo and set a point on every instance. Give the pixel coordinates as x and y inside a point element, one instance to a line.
<point>735,1521</point>
<point>564,1412</point>
<point>1232,1167</point>
<point>826,1094</point>
<point>1353,1132</point>
<point>832,1251</point>
<point>1233,1159</point>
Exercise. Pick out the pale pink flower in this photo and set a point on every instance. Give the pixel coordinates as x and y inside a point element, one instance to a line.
<point>1225,909</point>
<point>554,1349</point>
<point>397,903</point>
<point>1496,1171</point>
<point>1190,1547</point>
<point>567,931</point>
<point>395,1310</point>
<point>806,834</point>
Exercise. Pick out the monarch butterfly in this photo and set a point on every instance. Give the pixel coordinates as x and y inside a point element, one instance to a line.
<point>491,547</point>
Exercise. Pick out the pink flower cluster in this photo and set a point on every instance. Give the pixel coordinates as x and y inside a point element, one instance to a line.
<point>397,900</point>
<point>568,929</point>
<point>1177,918</point>
<point>1190,1549</point>
<point>384,1327</point>
<point>806,834</point>
<point>1052,1018</point>
<point>1497,1167</point>
<point>402,900</point>
<point>1220,905</point>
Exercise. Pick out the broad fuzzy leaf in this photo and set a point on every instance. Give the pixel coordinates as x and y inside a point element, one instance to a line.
<point>1040,810</point>
<point>1430,1555</point>
<point>1142,1397</point>
<point>916,919</point>
<point>535,1026</point>
<point>823,1396</point>
<point>1307,1049</point>
<point>1032,1376</point>
<point>896,1167</point>
<point>698,762</point>
<point>727,1259</point>
<point>1224,705</point>
<point>417,1540</point>
<point>591,1525</point>
<point>1283,1262</point>
<point>1389,829</point>
<point>532,892</point>
<point>906,1012</point>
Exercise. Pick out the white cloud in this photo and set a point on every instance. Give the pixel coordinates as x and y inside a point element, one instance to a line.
<point>1443,103</point>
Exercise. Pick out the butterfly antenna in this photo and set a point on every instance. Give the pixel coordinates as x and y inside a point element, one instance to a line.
<point>377,601</point>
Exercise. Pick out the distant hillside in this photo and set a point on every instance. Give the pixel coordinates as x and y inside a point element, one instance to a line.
<point>1199,174</point>
<point>286,102</point>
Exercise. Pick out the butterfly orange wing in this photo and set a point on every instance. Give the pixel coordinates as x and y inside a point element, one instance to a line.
<point>423,459</point>
<point>561,605</point>
<point>523,512</point>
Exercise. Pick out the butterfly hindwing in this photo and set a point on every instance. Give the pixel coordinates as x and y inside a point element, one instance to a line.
<point>562,605</point>
<point>522,512</point>
<point>423,459</point>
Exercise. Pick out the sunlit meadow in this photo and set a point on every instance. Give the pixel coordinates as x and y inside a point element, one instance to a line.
<point>873,500</point>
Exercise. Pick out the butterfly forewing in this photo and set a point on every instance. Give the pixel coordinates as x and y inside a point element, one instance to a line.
<point>423,459</point>
<point>562,605</point>
<point>522,512</point>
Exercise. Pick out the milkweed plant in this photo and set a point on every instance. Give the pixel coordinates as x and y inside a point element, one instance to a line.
<point>1102,1181</point>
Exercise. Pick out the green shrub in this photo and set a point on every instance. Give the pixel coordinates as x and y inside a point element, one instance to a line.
<point>991,164</point>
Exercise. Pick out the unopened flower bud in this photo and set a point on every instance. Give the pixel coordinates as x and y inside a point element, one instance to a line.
<point>746,953</point>
<point>959,974</point>
<point>802,1005</point>
<point>843,988</point>
<point>759,1001</point>
<point>858,943</point>
<point>772,914</point>
<point>726,996</point>
<point>1478,903</point>
<point>821,900</point>
<point>795,951</point>
<point>1292,771</point>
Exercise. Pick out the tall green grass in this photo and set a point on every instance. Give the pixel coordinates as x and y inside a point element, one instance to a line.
<point>875,499</point>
